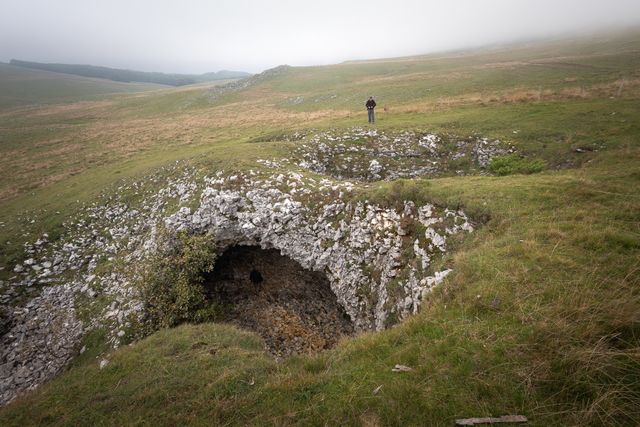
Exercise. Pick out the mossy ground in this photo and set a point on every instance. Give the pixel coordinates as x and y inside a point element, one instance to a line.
<point>540,317</point>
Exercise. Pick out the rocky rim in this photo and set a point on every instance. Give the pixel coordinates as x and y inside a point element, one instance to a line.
<point>378,261</point>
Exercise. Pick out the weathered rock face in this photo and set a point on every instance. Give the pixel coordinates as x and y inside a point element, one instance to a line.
<point>6,320</point>
<point>293,309</point>
<point>378,261</point>
<point>41,336</point>
<point>362,248</point>
<point>42,341</point>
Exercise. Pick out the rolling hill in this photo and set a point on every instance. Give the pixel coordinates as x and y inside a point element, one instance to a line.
<point>537,145</point>
<point>128,76</point>
<point>20,87</point>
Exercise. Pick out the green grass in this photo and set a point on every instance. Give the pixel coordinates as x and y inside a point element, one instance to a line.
<point>223,358</point>
<point>514,163</point>
<point>22,87</point>
<point>479,76</point>
<point>541,316</point>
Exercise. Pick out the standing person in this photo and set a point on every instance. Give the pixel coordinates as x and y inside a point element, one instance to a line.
<point>371,104</point>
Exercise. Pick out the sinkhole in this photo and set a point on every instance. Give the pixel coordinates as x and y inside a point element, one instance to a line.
<point>293,309</point>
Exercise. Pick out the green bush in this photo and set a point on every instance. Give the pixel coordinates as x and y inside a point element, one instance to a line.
<point>514,163</point>
<point>395,193</point>
<point>171,283</point>
<point>462,163</point>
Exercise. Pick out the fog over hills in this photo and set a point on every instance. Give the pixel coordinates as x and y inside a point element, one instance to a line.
<point>120,75</point>
<point>428,217</point>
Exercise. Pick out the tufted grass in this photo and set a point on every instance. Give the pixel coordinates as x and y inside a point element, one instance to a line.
<point>541,316</point>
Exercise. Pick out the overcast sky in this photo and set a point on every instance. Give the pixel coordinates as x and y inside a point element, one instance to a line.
<point>208,35</point>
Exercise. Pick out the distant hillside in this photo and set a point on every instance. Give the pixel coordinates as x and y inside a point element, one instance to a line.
<point>23,86</point>
<point>539,315</point>
<point>126,76</point>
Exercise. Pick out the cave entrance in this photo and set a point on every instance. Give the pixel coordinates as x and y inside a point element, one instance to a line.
<point>293,309</point>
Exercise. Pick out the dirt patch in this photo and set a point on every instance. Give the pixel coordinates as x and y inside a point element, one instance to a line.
<point>293,309</point>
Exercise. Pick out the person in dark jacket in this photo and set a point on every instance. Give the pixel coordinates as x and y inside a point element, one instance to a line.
<point>371,104</point>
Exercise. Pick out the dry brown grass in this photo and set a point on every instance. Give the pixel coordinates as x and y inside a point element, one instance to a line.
<point>105,134</point>
<point>81,109</point>
<point>414,77</point>
<point>630,89</point>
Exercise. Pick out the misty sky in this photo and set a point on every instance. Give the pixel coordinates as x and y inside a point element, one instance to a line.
<point>194,36</point>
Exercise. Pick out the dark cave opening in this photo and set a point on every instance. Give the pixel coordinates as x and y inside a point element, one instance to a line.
<point>256,277</point>
<point>293,309</point>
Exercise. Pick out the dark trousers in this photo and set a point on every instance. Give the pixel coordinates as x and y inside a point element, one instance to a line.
<point>372,117</point>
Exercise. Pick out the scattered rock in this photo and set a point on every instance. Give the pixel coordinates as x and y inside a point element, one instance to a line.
<point>357,245</point>
<point>370,155</point>
<point>401,368</point>
<point>509,419</point>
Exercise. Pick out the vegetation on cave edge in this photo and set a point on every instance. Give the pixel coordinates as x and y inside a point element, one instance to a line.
<point>540,317</point>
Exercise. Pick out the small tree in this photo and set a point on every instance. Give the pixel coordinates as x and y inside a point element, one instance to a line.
<point>171,282</point>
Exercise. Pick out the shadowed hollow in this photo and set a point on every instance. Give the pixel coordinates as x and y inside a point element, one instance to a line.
<point>293,309</point>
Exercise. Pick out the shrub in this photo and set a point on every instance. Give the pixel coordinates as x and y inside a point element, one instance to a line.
<point>461,163</point>
<point>171,282</point>
<point>513,163</point>
<point>394,194</point>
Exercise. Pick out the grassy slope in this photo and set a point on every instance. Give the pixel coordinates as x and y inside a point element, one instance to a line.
<point>21,86</point>
<point>541,316</point>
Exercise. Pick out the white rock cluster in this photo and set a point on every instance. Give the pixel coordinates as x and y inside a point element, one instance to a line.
<point>41,343</point>
<point>38,338</point>
<point>372,155</point>
<point>378,264</point>
<point>361,247</point>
